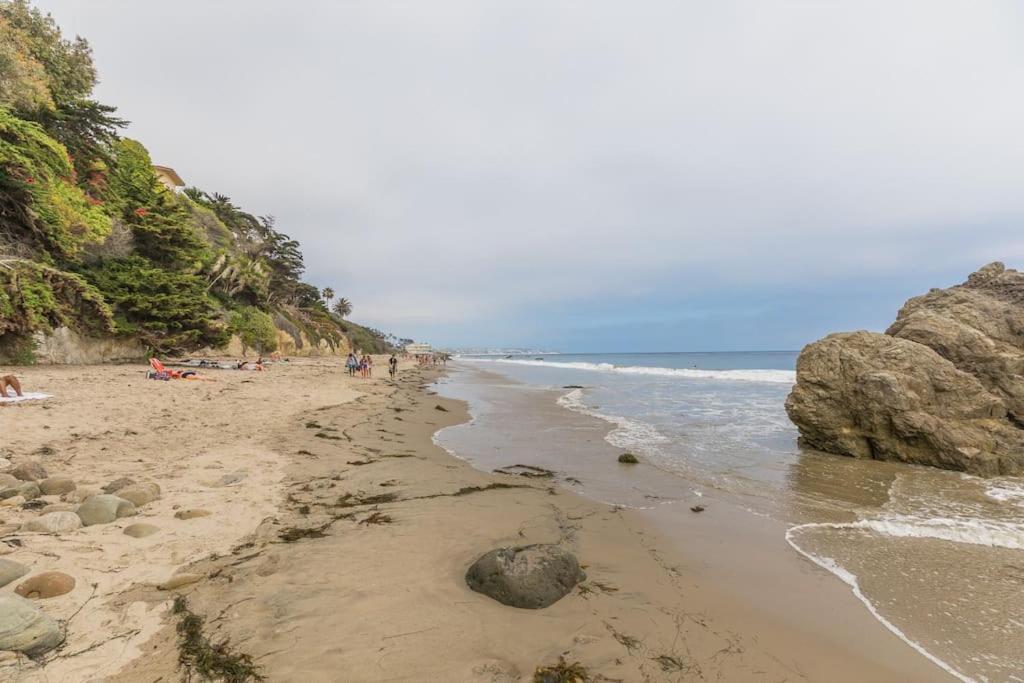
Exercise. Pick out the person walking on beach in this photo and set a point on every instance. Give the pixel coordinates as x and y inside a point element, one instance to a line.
<point>393,366</point>
<point>351,365</point>
<point>369,365</point>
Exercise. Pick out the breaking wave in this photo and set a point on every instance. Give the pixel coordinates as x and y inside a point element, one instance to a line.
<point>752,375</point>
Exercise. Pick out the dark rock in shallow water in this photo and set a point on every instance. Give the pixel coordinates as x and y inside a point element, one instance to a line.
<point>943,387</point>
<point>531,577</point>
<point>628,459</point>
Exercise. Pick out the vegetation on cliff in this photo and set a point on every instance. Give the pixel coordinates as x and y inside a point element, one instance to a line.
<point>92,240</point>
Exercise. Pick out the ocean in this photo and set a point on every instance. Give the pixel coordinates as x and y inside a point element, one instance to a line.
<point>937,557</point>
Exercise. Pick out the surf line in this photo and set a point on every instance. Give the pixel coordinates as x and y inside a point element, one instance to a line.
<point>831,566</point>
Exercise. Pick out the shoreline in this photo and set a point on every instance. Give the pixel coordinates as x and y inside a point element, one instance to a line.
<point>360,529</point>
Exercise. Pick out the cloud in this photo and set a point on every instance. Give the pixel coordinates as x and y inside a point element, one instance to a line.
<point>471,172</point>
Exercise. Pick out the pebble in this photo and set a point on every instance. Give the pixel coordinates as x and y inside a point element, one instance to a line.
<point>118,484</point>
<point>54,486</point>
<point>141,530</point>
<point>30,470</point>
<point>191,514</point>
<point>26,628</point>
<point>179,580</point>
<point>46,585</point>
<point>13,501</point>
<point>53,523</point>
<point>140,494</point>
<point>103,509</point>
<point>11,570</point>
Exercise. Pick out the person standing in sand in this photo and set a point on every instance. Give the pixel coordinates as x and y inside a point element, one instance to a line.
<point>369,365</point>
<point>351,364</point>
<point>12,382</point>
<point>393,366</point>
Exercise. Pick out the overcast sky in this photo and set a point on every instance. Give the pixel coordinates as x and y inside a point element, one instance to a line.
<point>594,175</point>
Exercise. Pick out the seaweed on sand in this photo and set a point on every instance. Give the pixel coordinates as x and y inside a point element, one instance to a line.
<point>562,672</point>
<point>292,534</point>
<point>211,661</point>
<point>377,518</point>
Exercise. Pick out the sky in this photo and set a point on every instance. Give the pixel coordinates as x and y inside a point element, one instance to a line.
<point>592,175</point>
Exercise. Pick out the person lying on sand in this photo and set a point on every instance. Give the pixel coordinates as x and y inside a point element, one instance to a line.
<point>12,382</point>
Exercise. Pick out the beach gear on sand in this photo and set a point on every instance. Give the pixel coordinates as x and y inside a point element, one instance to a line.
<point>28,396</point>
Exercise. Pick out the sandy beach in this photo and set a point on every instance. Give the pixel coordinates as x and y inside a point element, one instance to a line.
<point>338,536</point>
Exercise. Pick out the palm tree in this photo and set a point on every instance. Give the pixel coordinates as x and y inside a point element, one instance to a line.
<point>327,294</point>
<point>343,308</point>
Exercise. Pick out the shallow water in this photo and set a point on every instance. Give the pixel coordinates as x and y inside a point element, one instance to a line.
<point>938,557</point>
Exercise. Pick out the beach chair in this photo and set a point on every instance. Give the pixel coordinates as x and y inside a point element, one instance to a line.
<point>161,372</point>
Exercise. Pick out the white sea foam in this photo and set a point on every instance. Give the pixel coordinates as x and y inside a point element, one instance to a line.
<point>847,577</point>
<point>1006,492</point>
<point>751,375</point>
<point>627,433</point>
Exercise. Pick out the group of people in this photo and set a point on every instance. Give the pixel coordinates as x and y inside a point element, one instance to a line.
<point>362,363</point>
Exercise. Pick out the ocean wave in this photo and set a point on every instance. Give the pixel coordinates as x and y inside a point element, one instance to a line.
<point>850,579</point>
<point>751,375</point>
<point>1006,492</point>
<point>627,433</point>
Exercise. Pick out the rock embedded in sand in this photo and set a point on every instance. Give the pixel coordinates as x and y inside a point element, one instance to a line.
<point>13,501</point>
<point>530,577</point>
<point>79,495</point>
<point>628,459</point>
<point>104,508</point>
<point>25,628</point>
<point>29,490</point>
<point>55,486</point>
<point>58,507</point>
<point>5,464</point>
<point>229,479</point>
<point>30,470</point>
<point>192,514</point>
<point>179,580</point>
<point>8,480</point>
<point>53,523</point>
<point>140,494</point>
<point>118,484</point>
<point>46,585</point>
<point>140,530</point>
<point>11,570</point>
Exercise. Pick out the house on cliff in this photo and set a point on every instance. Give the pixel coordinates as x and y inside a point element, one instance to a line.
<point>170,178</point>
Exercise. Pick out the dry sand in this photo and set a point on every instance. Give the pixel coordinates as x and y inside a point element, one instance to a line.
<point>354,600</point>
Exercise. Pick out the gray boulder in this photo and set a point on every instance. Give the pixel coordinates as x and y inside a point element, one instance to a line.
<point>870,395</point>
<point>28,490</point>
<point>25,628</point>
<point>30,470</point>
<point>8,480</point>
<point>104,508</point>
<point>53,523</point>
<point>531,577</point>
<point>11,570</point>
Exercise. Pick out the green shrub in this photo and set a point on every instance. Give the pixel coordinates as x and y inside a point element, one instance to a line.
<point>255,328</point>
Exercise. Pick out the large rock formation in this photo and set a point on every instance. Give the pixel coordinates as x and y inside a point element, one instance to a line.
<point>943,387</point>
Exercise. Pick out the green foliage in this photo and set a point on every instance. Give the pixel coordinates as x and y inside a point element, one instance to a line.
<point>68,66</point>
<point>23,83</point>
<point>161,224</point>
<point>168,310</point>
<point>255,328</point>
<point>343,308</point>
<point>39,203</point>
<point>34,296</point>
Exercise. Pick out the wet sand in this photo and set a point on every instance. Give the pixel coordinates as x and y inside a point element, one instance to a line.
<point>341,554</point>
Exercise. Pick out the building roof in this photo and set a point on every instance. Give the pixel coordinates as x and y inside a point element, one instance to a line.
<point>171,175</point>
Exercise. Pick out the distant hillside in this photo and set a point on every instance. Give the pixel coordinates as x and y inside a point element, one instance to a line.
<point>96,244</point>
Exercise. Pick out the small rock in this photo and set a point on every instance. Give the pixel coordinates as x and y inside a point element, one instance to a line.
<point>191,514</point>
<point>118,484</point>
<point>103,509</point>
<point>13,501</point>
<point>140,530</point>
<point>140,494</point>
<point>46,585</point>
<point>55,486</point>
<point>697,508</point>
<point>30,470</point>
<point>5,463</point>
<point>53,523</point>
<point>11,570</point>
<point>80,495</point>
<point>29,490</point>
<point>25,628</point>
<point>8,480</point>
<point>229,479</point>
<point>58,507</point>
<point>628,459</point>
<point>179,580</point>
<point>531,577</point>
